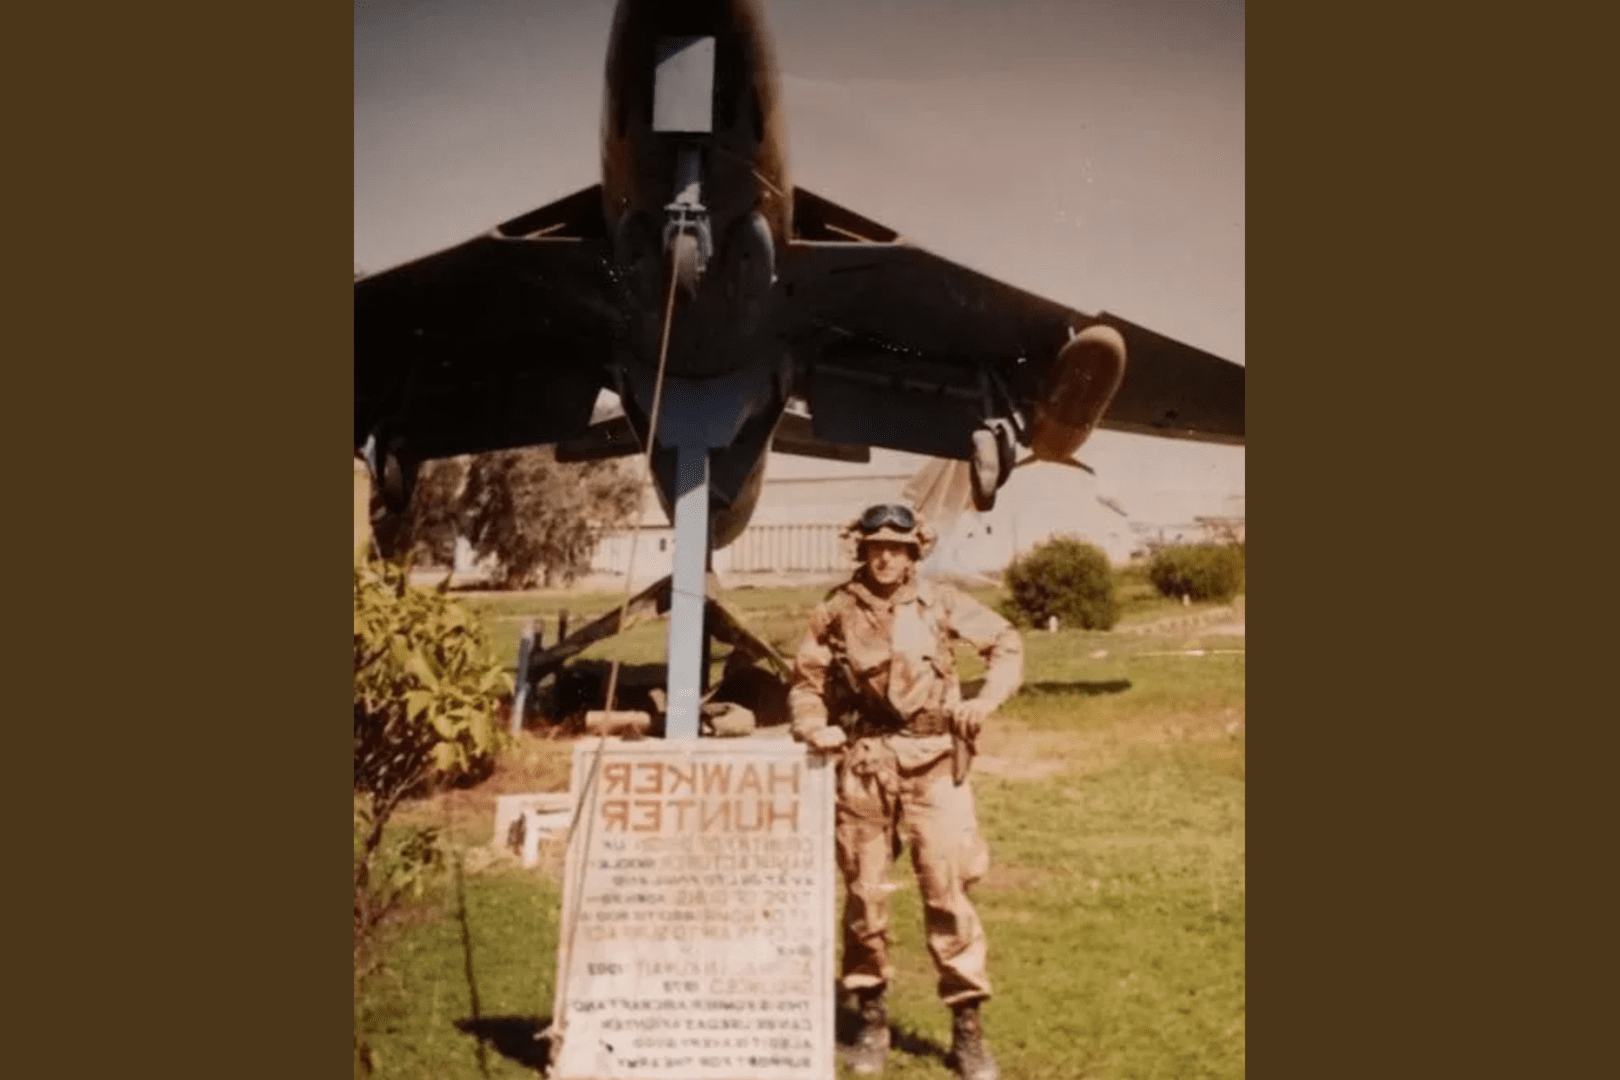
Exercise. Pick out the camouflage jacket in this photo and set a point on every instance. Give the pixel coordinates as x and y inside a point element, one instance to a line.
<point>900,651</point>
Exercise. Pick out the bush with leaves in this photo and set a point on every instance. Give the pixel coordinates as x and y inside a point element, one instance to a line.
<point>1198,571</point>
<point>1065,577</point>
<point>426,695</point>
<point>386,873</point>
<point>537,519</point>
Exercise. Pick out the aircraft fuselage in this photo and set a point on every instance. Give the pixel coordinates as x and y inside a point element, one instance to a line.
<point>741,171</point>
<point>735,175</point>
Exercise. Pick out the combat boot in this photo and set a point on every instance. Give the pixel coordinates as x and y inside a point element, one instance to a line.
<point>871,1047</point>
<point>970,1057</point>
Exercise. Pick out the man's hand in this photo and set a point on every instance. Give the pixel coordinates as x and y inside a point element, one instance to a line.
<point>968,717</point>
<point>826,739</point>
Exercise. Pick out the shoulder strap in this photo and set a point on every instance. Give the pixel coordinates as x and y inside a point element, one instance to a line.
<point>837,603</point>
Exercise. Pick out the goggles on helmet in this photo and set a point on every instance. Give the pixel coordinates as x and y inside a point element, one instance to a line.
<point>894,514</point>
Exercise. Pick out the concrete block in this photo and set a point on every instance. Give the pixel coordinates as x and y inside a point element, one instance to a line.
<point>543,807</point>
<point>632,723</point>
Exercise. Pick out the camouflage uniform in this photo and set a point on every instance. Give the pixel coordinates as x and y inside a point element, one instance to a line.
<point>896,771</point>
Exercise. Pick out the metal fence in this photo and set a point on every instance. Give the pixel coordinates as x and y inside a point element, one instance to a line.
<point>761,549</point>
<point>782,549</point>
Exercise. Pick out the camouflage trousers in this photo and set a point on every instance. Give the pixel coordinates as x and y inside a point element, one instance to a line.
<point>882,801</point>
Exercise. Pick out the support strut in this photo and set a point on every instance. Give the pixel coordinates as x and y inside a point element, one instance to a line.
<point>687,592</point>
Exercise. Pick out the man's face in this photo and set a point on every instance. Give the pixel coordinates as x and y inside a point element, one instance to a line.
<point>887,560</point>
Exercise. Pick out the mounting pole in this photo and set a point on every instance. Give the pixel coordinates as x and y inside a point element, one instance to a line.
<point>687,589</point>
<point>528,645</point>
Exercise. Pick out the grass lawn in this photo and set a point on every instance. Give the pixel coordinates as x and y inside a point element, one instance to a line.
<point>777,615</point>
<point>1111,790</point>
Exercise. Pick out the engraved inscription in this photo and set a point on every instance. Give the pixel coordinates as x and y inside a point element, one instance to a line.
<point>700,909</point>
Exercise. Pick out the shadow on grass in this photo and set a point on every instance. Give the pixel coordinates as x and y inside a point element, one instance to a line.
<point>1078,687</point>
<point>846,1022</point>
<point>909,1041</point>
<point>513,1037</point>
<point>581,685</point>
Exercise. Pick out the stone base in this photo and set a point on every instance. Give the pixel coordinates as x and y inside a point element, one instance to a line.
<point>522,821</point>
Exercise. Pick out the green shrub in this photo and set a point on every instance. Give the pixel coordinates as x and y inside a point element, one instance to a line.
<point>1064,577</point>
<point>426,695</point>
<point>426,688</point>
<point>1199,571</point>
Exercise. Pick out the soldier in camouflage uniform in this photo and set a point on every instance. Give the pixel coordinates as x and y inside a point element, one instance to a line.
<point>876,679</point>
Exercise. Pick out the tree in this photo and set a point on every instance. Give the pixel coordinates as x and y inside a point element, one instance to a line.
<point>435,515</point>
<point>426,693</point>
<point>539,520</point>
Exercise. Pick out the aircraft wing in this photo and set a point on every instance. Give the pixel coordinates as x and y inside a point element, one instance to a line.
<point>495,343</point>
<point>909,351</point>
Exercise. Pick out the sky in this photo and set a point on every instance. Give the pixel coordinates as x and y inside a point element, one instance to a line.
<point>1089,151</point>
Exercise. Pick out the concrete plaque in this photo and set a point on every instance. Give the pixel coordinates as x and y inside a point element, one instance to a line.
<point>698,913</point>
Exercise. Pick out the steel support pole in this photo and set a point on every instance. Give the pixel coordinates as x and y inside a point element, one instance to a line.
<point>687,592</point>
<point>520,696</point>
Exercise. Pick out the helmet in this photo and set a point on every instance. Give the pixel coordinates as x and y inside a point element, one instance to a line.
<point>890,521</point>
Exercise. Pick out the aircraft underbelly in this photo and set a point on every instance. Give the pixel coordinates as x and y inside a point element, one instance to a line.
<point>736,477</point>
<point>852,405</point>
<point>731,417</point>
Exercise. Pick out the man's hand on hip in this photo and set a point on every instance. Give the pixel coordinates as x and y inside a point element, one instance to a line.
<point>968,717</point>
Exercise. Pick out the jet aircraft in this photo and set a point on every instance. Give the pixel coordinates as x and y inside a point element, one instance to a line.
<point>696,275</point>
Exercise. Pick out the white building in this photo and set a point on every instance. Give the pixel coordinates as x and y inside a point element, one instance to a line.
<point>806,501</point>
